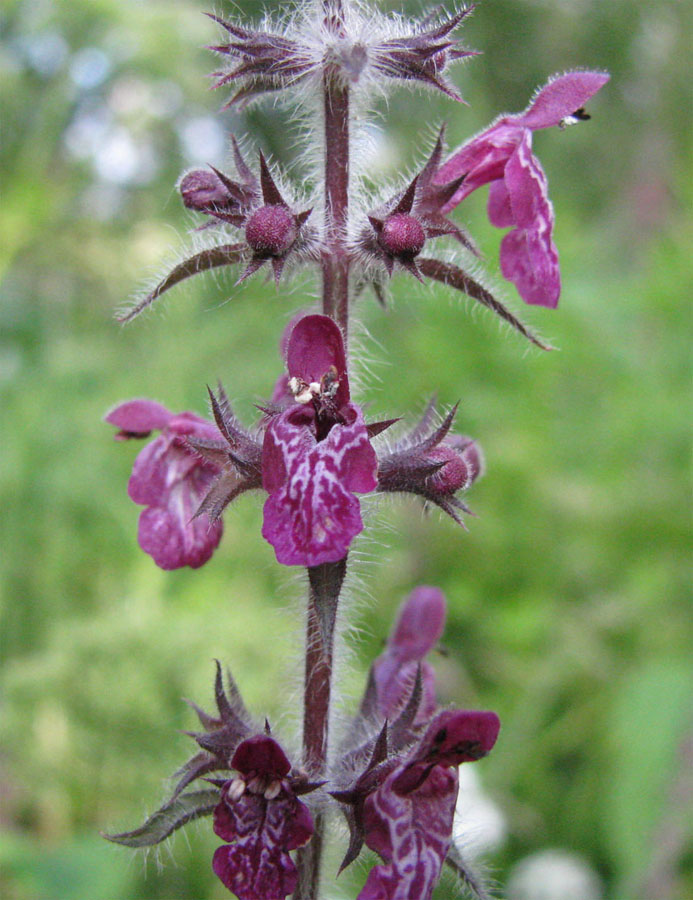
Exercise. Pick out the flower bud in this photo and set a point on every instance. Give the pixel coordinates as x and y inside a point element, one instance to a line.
<point>462,464</point>
<point>271,230</point>
<point>402,236</point>
<point>202,189</point>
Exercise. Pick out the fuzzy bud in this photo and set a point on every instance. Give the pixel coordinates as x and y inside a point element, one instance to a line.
<point>462,464</point>
<point>202,189</point>
<point>271,230</point>
<point>402,236</point>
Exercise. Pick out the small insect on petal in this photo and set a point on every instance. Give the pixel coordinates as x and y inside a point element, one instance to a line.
<point>578,116</point>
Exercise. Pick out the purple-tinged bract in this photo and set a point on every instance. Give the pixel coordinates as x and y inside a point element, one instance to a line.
<point>316,453</point>
<point>170,479</point>
<point>502,156</point>
<point>423,55</point>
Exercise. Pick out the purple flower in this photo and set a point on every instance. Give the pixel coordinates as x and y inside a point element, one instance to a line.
<point>170,479</point>
<point>316,453</point>
<point>518,199</point>
<point>408,819</point>
<point>262,819</point>
<point>419,626</point>
<point>398,788</point>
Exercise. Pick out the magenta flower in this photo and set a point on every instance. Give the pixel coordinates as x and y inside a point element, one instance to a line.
<point>170,479</point>
<point>262,819</point>
<point>316,453</point>
<point>518,199</point>
<point>419,626</point>
<point>408,819</point>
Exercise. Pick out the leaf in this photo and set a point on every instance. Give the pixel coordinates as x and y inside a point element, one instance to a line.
<point>172,816</point>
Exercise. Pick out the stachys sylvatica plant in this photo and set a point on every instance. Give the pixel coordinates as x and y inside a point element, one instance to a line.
<point>392,773</point>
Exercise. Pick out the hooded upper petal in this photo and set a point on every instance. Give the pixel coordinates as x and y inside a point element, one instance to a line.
<point>315,346</point>
<point>419,627</point>
<point>560,97</point>
<point>136,418</point>
<point>482,159</point>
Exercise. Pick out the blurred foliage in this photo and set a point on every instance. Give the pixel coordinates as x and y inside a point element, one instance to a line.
<point>570,596</point>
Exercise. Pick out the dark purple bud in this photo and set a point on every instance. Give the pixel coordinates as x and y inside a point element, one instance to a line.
<point>202,189</point>
<point>402,236</point>
<point>462,463</point>
<point>271,230</point>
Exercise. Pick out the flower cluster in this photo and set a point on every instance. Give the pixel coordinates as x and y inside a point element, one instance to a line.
<point>395,777</point>
<point>395,232</point>
<point>312,453</point>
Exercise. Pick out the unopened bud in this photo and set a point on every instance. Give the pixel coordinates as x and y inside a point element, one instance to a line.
<point>402,236</point>
<point>202,189</point>
<point>271,230</point>
<point>462,464</point>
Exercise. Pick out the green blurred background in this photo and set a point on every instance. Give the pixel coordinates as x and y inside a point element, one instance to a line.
<point>570,595</point>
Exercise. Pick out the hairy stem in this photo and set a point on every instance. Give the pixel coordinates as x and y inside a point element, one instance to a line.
<point>325,586</point>
<point>335,260</point>
<point>326,580</point>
